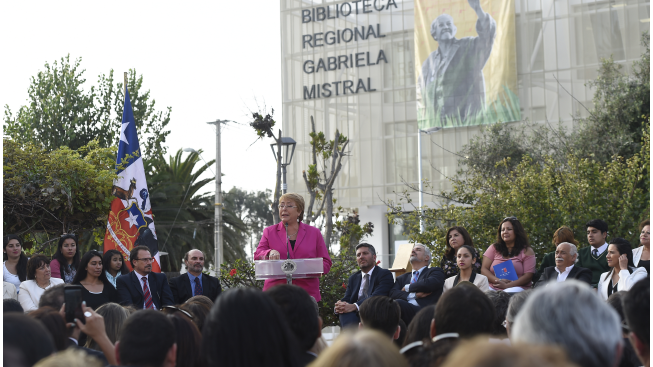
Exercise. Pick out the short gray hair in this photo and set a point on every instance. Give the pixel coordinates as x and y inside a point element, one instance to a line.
<point>572,248</point>
<point>427,251</point>
<point>571,315</point>
<point>516,303</point>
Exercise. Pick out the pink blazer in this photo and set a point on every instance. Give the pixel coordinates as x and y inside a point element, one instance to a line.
<point>309,244</point>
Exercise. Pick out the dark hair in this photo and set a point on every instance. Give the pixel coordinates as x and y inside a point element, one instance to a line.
<point>623,248</point>
<point>189,341</point>
<point>53,297</point>
<point>637,310</point>
<point>472,252</point>
<point>500,300</point>
<point>598,224</point>
<point>133,254</point>
<point>82,273</point>
<point>564,234</point>
<point>369,247</point>
<point>380,313</point>
<point>199,310</point>
<point>465,310</point>
<point>420,327</point>
<point>11,305</point>
<point>402,333</point>
<point>615,301</point>
<point>450,253</point>
<point>106,262</point>
<point>136,346</point>
<point>114,317</point>
<point>521,239</point>
<point>298,308</point>
<point>240,318</point>
<point>21,267</point>
<point>35,262</point>
<point>52,320</point>
<point>201,299</point>
<point>61,259</point>
<point>644,223</point>
<point>29,336</point>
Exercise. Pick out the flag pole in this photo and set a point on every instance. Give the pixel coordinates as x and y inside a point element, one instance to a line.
<point>125,89</point>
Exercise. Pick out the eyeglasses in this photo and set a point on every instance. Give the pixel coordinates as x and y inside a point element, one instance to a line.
<point>169,310</point>
<point>286,206</point>
<point>147,259</point>
<point>509,218</point>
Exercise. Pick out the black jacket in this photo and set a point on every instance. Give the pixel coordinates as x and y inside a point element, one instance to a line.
<point>550,274</point>
<point>431,280</point>
<point>381,282</point>
<point>181,288</point>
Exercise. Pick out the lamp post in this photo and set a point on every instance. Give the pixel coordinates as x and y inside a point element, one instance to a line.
<point>285,158</point>
<point>421,180</point>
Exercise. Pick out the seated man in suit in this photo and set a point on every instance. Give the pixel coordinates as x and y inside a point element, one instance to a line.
<point>141,287</point>
<point>194,283</point>
<point>370,281</point>
<point>420,288</point>
<point>565,257</point>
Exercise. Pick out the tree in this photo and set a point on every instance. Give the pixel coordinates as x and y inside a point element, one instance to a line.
<point>61,113</point>
<point>254,209</point>
<point>183,218</point>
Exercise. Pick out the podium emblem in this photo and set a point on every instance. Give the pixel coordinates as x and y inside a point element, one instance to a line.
<point>288,267</point>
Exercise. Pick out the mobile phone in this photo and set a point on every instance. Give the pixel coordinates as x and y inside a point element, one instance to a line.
<point>73,299</point>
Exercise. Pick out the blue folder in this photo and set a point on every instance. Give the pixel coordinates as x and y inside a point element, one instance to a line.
<point>505,270</point>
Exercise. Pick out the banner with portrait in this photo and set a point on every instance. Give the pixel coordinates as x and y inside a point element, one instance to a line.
<point>465,62</point>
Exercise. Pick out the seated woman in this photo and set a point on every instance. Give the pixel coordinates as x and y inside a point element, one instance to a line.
<point>66,260</point>
<point>512,244</point>
<point>96,289</point>
<point>623,274</point>
<point>466,256</point>
<point>38,280</point>
<point>456,237</point>
<point>642,254</point>
<point>113,265</point>
<point>15,264</point>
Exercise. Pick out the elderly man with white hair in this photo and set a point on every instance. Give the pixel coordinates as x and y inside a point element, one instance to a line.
<point>565,257</point>
<point>419,288</point>
<point>570,315</point>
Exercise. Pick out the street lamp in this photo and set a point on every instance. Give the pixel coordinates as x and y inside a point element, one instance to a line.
<point>421,180</point>
<point>286,157</point>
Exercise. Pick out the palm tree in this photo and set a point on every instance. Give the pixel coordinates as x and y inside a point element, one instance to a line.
<point>185,220</point>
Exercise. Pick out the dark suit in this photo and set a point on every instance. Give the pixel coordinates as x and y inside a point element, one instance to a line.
<point>182,290</point>
<point>381,281</point>
<point>131,291</point>
<point>551,275</point>
<point>431,280</point>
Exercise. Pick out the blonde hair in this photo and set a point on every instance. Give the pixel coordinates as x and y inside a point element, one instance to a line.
<point>70,358</point>
<point>298,200</point>
<point>365,347</point>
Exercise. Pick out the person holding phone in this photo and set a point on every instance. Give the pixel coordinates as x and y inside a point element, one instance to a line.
<point>96,288</point>
<point>38,280</point>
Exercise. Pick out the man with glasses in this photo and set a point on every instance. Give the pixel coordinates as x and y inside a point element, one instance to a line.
<point>143,288</point>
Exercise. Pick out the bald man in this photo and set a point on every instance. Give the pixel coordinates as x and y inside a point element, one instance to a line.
<point>194,282</point>
<point>451,82</point>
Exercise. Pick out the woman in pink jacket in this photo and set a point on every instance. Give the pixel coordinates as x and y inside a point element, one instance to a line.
<point>305,242</point>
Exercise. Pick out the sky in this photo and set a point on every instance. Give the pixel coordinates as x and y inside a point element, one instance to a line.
<point>207,60</point>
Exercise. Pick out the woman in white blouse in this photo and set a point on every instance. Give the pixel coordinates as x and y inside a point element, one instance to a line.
<point>38,280</point>
<point>465,259</point>
<point>623,274</point>
<point>15,264</point>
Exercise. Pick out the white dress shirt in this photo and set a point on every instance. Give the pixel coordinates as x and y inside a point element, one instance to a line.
<point>600,249</point>
<point>411,296</point>
<point>563,276</point>
<point>140,281</point>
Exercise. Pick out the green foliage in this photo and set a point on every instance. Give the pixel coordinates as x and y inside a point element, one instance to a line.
<point>61,113</point>
<point>254,209</point>
<point>351,232</point>
<point>543,196</point>
<point>239,273</point>
<point>263,124</point>
<point>52,192</point>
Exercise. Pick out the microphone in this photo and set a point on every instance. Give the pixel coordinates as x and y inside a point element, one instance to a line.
<point>287,242</point>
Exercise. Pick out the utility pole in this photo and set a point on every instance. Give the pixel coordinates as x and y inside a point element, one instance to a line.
<point>419,172</point>
<point>219,255</point>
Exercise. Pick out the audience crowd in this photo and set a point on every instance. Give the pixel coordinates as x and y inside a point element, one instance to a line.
<point>587,307</point>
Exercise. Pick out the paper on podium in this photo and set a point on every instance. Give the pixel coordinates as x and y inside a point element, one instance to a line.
<point>401,264</point>
<point>271,269</point>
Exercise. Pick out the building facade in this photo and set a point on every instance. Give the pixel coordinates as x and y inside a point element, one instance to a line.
<point>350,65</point>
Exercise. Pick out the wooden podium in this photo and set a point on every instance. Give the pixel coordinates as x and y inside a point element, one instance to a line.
<point>401,265</point>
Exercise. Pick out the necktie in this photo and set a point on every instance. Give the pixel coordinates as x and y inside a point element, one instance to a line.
<point>415,277</point>
<point>595,252</point>
<point>198,287</point>
<point>147,294</point>
<point>366,285</point>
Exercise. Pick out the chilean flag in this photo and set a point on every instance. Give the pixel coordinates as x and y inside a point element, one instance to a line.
<point>130,221</point>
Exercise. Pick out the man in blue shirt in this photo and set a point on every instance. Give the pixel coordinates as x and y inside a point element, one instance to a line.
<point>193,282</point>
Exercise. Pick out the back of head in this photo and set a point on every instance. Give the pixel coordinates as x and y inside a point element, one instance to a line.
<point>136,347</point>
<point>201,299</point>
<point>114,317</point>
<point>189,341</point>
<point>420,327</point>
<point>479,353</point>
<point>516,303</point>
<point>11,305</point>
<point>28,336</point>
<point>298,308</point>
<point>465,310</point>
<point>637,310</point>
<point>380,313</point>
<point>55,324</point>
<point>361,348</point>
<point>200,312</point>
<point>245,317</point>
<point>565,314</point>
<point>71,357</point>
<point>500,300</point>
<point>53,297</point>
